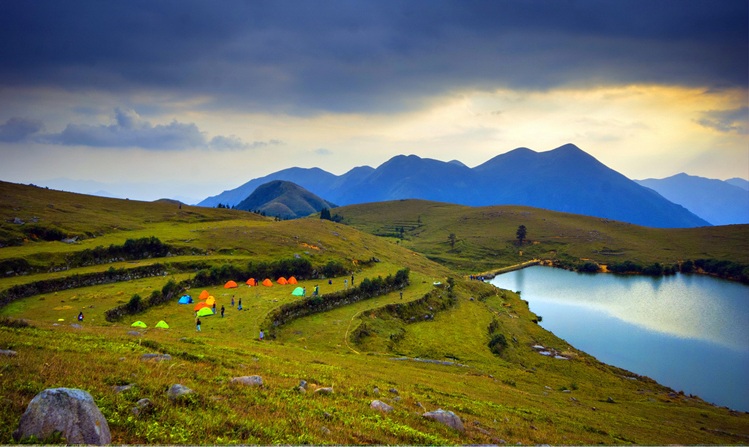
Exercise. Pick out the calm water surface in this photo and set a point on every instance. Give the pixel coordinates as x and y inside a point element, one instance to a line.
<point>688,332</point>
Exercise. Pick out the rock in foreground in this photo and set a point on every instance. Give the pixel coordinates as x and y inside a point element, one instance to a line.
<point>68,411</point>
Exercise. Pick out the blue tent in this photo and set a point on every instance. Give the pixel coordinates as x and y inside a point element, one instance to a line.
<point>186,299</point>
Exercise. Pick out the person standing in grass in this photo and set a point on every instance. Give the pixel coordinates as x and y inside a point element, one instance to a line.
<point>222,311</point>
<point>262,335</point>
<point>232,301</point>
<point>197,324</point>
<point>239,305</point>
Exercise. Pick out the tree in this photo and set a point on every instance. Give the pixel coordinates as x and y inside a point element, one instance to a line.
<point>325,214</point>
<point>451,238</point>
<point>520,234</point>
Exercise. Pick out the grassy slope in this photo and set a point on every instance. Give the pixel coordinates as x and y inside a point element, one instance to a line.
<point>486,235</point>
<point>518,397</point>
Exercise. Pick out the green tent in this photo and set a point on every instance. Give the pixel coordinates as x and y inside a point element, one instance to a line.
<point>298,292</point>
<point>205,312</point>
<point>139,324</point>
<point>162,324</point>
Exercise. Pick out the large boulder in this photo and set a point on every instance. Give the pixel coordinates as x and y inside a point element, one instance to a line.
<point>446,417</point>
<point>70,412</point>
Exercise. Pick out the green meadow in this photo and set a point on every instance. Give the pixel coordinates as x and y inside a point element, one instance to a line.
<point>418,349</point>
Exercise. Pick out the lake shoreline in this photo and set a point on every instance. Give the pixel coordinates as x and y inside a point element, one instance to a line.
<point>491,274</point>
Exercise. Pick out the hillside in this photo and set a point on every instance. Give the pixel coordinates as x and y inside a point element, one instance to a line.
<point>284,200</point>
<point>718,202</point>
<point>486,236</point>
<point>564,179</point>
<point>369,349</point>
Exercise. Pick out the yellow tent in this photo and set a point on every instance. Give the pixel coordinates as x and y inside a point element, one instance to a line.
<point>210,301</point>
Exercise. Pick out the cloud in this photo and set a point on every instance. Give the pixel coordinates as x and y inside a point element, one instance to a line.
<point>131,130</point>
<point>233,142</point>
<point>727,121</point>
<point>19,129</point>
<point>323,151</point>
<point>341,56</point>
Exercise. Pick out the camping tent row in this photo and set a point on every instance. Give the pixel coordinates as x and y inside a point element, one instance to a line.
<point>161,324</point>
<point>268,283</point>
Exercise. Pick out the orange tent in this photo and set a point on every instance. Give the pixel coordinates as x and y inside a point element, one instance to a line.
<point>292,280</point>
<point>251,282</point>
<point>204,294</point>
<point>230,285</point>
<point>282,281</point>
<point>200,305</point>
<point>267,282</point>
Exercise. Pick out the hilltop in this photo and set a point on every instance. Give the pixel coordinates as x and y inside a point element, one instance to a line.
<point>438,345</point>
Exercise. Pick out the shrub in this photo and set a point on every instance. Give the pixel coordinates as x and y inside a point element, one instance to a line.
<point>498,343</point>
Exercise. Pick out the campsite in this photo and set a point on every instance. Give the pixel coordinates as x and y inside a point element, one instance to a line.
<point>419,346</point>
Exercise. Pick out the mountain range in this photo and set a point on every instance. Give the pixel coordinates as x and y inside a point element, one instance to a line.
<point>718,202</point>
<point>564,179</point>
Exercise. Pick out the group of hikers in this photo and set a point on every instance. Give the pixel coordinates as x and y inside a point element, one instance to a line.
<point>198,323</point>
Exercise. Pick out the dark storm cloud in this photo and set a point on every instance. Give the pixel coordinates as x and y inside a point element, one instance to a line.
<point>19,129</point>
<point>309,56</point>
<point>130,130</point>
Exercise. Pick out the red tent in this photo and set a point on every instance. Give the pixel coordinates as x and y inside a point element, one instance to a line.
<point>267,282</point>
<point>201,305</point>
<point>204,294</point>
<point>292,280</point>
<point>230,285</point>
<point>282,281</point>
<point>251,282</point>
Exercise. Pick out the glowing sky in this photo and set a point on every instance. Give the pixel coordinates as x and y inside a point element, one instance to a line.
<point>185,99</point>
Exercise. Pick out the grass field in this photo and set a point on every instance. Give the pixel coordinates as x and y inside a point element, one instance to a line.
<point>417,365</point>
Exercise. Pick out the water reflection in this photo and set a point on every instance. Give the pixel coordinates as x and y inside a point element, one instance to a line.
<point>688,332</point>
<point>687,306</point>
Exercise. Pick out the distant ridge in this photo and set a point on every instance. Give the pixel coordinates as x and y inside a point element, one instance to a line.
<point>564,179</point>
<point>283,199</point>
<point>718,202</point>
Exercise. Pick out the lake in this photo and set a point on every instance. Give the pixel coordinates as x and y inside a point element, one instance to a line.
<point>688,332</point>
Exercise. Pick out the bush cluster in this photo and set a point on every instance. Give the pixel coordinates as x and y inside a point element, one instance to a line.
<point>497,340</point>
<point>137,304</point>
<point>83,280</point>
<point>132,249</point>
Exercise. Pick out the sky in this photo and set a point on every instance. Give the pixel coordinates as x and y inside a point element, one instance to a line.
<point>184,99</point>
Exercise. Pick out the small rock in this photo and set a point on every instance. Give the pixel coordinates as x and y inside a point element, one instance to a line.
<point>324,390</point>
<point>394,391</point>
<point>248,380</point>
<point>446,417</point>
<point>178,391</point>
<point>610,400</point>
<point>8,352</point>
<point>382,406</point>
<point>327,415</point>
<point>143,406</point>
<point>155,357</point>
<point>376,391</point>
<point>120,388</point>
<point>303,384</point>
<point>134,333</point>
<point>76,326</point>
<point>71,412</point>
<point>325,430</point>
